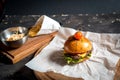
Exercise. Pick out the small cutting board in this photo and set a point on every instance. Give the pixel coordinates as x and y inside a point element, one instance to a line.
<point>33,44</point>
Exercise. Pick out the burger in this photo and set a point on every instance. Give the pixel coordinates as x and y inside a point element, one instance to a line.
<point>77,48</point>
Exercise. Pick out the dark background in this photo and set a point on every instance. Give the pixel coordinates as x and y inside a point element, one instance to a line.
<point>22,7</point>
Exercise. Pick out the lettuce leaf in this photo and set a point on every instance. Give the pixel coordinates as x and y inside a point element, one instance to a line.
<point>74,61</point>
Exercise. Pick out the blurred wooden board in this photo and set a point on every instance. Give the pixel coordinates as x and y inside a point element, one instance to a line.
<point>117,71</point>
<point>56,76</point>
<point>32,45</point>
<point>52,75</point>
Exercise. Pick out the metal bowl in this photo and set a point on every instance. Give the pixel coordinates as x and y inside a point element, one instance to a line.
<point>14,30</point>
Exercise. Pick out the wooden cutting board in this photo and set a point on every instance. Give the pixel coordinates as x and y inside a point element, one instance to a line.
<point>57,76</point>
<point>117,71</point>
<point>32,45</point>
<point>52,75</point>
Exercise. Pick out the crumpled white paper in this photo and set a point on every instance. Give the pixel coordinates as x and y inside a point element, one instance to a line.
<point>101,65</point>
<point>48,25</point>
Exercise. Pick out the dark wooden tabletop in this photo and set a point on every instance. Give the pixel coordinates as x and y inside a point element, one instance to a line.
<point>101,23</point>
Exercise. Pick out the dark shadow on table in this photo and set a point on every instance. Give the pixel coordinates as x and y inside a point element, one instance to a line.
<point>23,74</point>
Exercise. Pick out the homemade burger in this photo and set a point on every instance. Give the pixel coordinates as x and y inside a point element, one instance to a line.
<point>77,48</point>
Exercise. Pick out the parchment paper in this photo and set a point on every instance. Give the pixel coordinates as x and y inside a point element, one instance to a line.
<point>101,65</point>
<point>48,25</point>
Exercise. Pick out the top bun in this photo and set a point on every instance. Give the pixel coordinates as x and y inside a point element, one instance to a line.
<point>77,46</point>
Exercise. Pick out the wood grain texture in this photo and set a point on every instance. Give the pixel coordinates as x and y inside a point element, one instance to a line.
<point>53,76</point>
<point>117,71</point>
<point>32,45</point>
<point>57,76</point>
